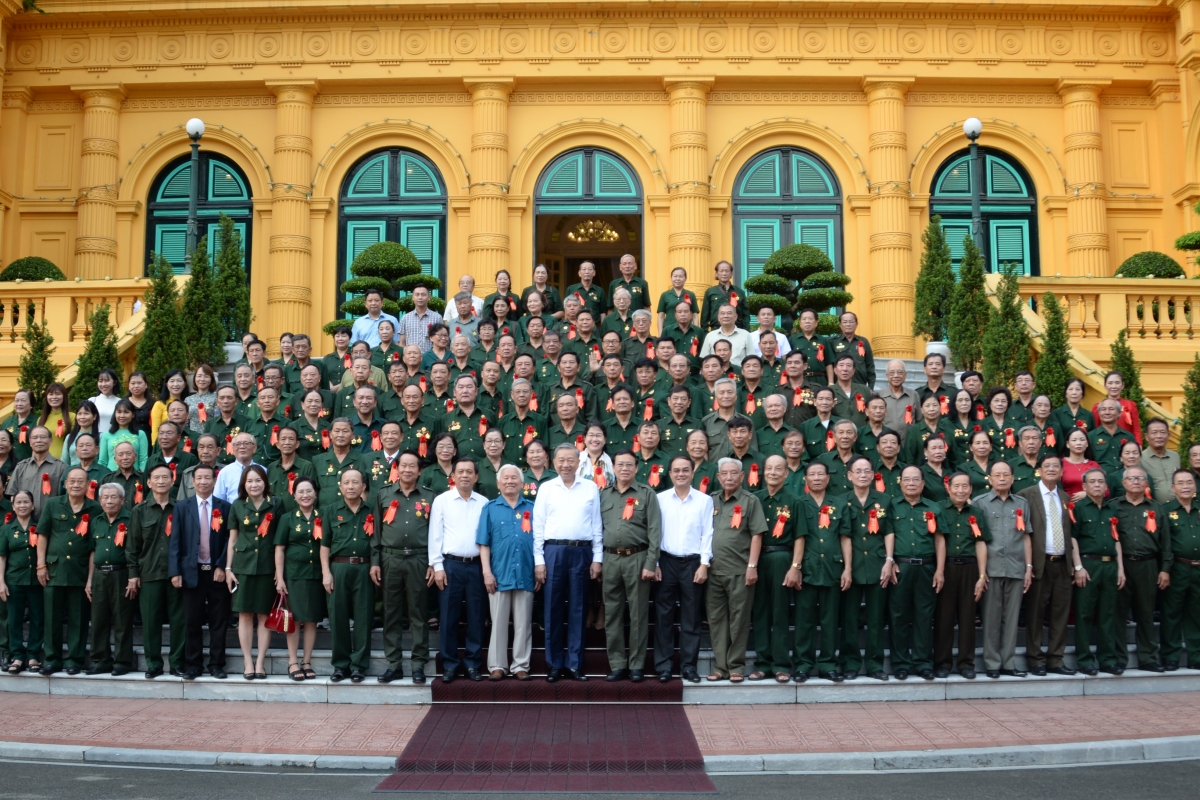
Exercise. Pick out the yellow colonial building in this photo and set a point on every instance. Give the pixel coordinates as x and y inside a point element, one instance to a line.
<point>491,136</point>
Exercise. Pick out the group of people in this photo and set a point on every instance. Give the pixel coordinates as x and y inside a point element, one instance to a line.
<point>543,455</point>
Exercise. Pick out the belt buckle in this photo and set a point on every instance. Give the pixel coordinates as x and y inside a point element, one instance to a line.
<point>628,551</point>
<point>206,567</point>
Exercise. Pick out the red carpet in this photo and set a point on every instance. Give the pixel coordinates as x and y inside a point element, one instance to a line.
<point>539,690</point>
<point>564,747</point>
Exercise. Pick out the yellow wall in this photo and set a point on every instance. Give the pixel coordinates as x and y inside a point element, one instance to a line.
<point>1098,100</point>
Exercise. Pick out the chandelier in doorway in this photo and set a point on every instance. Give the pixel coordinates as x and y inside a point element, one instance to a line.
<point>593,230</point>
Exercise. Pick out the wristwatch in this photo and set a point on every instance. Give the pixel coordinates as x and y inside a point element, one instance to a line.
<point>1029,566</point>
<point>891,560</point>
<point>795,565</point>
<point>752,566</point>
<point>1078,567</point>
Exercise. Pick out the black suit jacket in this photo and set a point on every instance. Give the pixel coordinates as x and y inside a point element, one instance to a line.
<point>184,544</point>
<point>1037,520</point>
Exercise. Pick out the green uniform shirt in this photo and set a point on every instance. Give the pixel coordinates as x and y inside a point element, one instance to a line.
<point>621,438</point>
<point>870,550</point>
<point>839,475</point>
<point>852,406</point>
<point>130,485</point>
<point>254,552</point>
<point>550,394</point>
<point>224,431</point>
<point>262,430</point>
<point>816,350</point>
<point>653,471</point>
<point>409,528</point>
<point>301,557</point>
<point>345,531</point>
<point>247,407</point>
<point>435,479</point>
<point>823,562</point>
<point>182,462</point>
<point>279,480</point>
<point>468,430</point>
<point>890,477</point>
<point>1093,529</point>
<point>594,298</point>
<point>731,545</point>
<point>960,539</point>
<point>20,568</point>
<point>816,432</point>
<point>436,404</point>
<point>310,438</point>
<point>918,432</point>
<point>687,343</point>
<point>335,366</point>
<point>785,506</point>
<point>1132,524</point>
<point>422,429</point>
<point>531,482</point>
<point>981,483</point>
<point>1024,474</point>
<point>1065,420</point>
<point>864,363</point>
<point>1106,447</point>
<point>717,296</point>
<point>556,434</point>
<point>104,538</point>
<point>644,526</point>
<point>67,551</point>
<point>911,526</point>
<point>1185,530</point>
<point>673,441</point>
<point>329,473</point>
<point>639,292</point>
<point>937,487</point>
<point>615,323</point>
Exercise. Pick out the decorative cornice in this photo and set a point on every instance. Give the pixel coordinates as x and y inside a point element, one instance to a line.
<point>400,99</point>
<point>976,99</point>
<point>587,98</point>
<point>774,97</point>
<point>198,103</point>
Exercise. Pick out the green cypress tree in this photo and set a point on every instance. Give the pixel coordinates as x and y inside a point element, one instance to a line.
<point>203,330</point>
<point>969,310</point>
<point>232,286</point>
<point>1122,360</point>
<point>161,348</point>
<point>935,284</point>
<point>1189,418</point>
<point>1052,370</point>
<point>36,369</point>
<point>1005,340</point>
<point>100,353</point>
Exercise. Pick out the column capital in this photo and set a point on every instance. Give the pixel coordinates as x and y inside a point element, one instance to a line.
<point>688,85</point>
<point>1082,88</point>
<point>101,93</point>
<point>18,97</point>
<point>301,90</point>
<point>489,87</point>
<point>883,87</point>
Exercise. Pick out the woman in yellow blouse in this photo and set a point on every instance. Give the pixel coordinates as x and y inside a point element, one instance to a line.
<point>174,387</point>
<point>56,417</point>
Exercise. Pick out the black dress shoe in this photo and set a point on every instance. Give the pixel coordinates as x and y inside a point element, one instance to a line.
<point>1039,671</point>
<point>664,676</point>
<point>176,673</point>
<point>833,675</point>
<point>691,675</point>
<point>637,675</point>
<point>967,673</point>
<point>941,672</point>
<point>554,676</point>
<point>191,674</point>
<point>217,672</point>
<point>1152,667</point>
<point>74,670</point>
<point>1171,666</point>
<point>802,676</point>
<point>119,671</point>
<point>575,674</point>
<point>94,670</point>
<point>879,675</point>
<point>1091,672</point>
<point>927,674</point>
<point>338,675</point>
<point>1111,669</point>
<point>390,675</point>
<point>1014,673</point>
<point>901,674</point>
<point>993,673</point>
<point>154,673</point>
<point>49,670</point>
<point>850,674</point>
<point>617,675</point>
<point>448,677</point>
<point>418,675</point>
<point>474,674</point>
<point>357,676</point>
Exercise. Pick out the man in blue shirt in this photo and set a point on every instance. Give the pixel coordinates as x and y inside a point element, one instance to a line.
<point>366,327</point>
<point>505,542</point>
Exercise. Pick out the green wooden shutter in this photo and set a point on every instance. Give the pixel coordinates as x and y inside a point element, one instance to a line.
<point>808,178</point>
<point>956,232</point>
<point>567,178</point>
<point>1003,180</point>
<point>1010,244</point>
<point>360,235</point>
<point>956,180</point>
<point>763,179</point>
<point>223,184</point>
<point>371,180</point>
<point>760,238</point>
<point>818,233</point>
<point>179,185</point>
<point>612,179</point>
<point>421,236</point>
<point>170,242</point>
<point>415,179</point>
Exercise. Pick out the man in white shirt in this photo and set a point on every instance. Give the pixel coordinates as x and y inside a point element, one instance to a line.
<point>366,327</point>
<point>465,284</point>
<point>568,545</point>
<point>457,570</point>
<point>738,338</point>
<point>766,322</point>
<point>687,524</point>
<point>229,479</point>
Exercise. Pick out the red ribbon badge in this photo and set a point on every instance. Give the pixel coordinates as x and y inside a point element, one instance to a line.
<point>8,517</point>
<point>291,482</point>
<point>390,515</point>
<point>45,483</point>
<point>570,331</point>
<point>325,440</point>
<point>1079,423</point>
<point>422,384</point>
<point>449,405</point>
<point>829,442</point>
<point>394,470</point>
<point>780,523</point>
<point>59,429</point>
<point>579,398</point>
<point>201,413</point>
<point>274,435</point>
<point>530,434</point>
<point>228,444</point>
<point>526,525</point>
<point>908,415</point>
<point>82,527</point>
<point>980,413</point>
<point>649,349</point>
<point>873,521</point>
<point>1051,440</point>
<point>1020,520</point>
<point>579,443</point>
<point>376,443</point>
<point>704,485</point>
<point>1071,512</point>
<point>1151,522</point>
<point>648,414</point>
<point>119,539</point>
<point>170,519</point>
<point>946,482</point>
<point>33,536</point>
<point>369,525</point>
<point>879,485</point>
<point>598,473</point>
<point>859,403</point>
<point>217,519</point>
<point>637,444</point>
<point>287,411</point>
<point>733,299</point>
<point>862,351</point>
<point>24,434</point>
<point>483,425</point>
<point>1149,494</point>
<point>783,379</point>
<point>695,345</point>
<point>265,525</point>
<point>931,522</point>
<point>753,475</point>
<point>944,405</point>
<point>423,445</point>
<point>260,382</point>
<point>317,532</point>
<point>736,520</point>
<point>750,405</point>
<point>655,469</point>
<point>137,493</point>
<point>1112,522</point>
<point>820,352</point>
<point>172,466</point>
<point>627,513</point>
<point>797,396</point>
<point>346,361</point>
<point>1009,440</point>
<point>91,492</point>
<point>974,527</point>
<point>533,403</point>
<point>187,445</point>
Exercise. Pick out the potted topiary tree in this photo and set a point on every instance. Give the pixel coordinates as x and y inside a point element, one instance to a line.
<point>394,270</point>
<point>1150,264</point>
<point>798,276</point>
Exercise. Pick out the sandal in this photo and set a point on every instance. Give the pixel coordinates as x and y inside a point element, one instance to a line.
<point>295,674</point>
<point>736,677</point>
<point>16,667</point>
<point>34,666</point>
<point>782,677</point>
<point>716,676</point>
<point>758,675</point>
<point>309,672</point>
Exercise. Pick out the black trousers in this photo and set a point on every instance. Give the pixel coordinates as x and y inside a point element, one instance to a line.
<point>206,602</point>
<point>677,587</point>
<point>464,587</point>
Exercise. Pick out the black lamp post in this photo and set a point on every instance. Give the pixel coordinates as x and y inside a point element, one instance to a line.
<point>195,129</point>
<point>972,128</point>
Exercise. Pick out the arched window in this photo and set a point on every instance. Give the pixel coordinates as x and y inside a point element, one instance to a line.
<point>1008,203</point>
<point>785,196</point>
<point>393,195</point>
<point>223,190</point>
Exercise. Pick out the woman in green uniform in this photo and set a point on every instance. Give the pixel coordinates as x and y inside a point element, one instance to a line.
<point>251,573</point>
<point>490,464</point>
<point>541,283</point>
<point>537,456</point>
<point>962,418</point>
<point>312,426</point>
<point>437,475</point>
<point>1001,429</point>
<point>705,472</point>
<point>1073,414</point>
<point>387,351</point>
<point>980,463</point>
<point>19,586</point>
<point>298,573</point>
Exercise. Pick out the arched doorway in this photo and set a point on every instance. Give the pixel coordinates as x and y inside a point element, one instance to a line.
<point>588,208</point>
<point>223,189</point>
<point>1008,207</point>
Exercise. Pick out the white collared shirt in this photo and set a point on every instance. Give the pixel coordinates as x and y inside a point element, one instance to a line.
<point>229,479</point>
<point>567,513</point>
<point>739,340</point>
<point>687,524</point>
<point>453,523</point>
<point>1051,503</point>
<point>784,346</point>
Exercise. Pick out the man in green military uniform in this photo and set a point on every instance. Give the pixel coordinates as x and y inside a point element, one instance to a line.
<point>129,479</point>
<point>857,347</point>
<point>1181,603</point>
<point>920,556</point>
<point>225,424</point>
<point>724,292</point>
<point>850,396</point>
<point>623,427</point>
<point>87,448</point>
<point>651,462</point>
<point>1099,577</point>
<point>1145,531</point>
<point>521,425</point>
<point>467,423</point>
<point>826,558</point>
<point>639,290</point>
<point>887,463</point>
<point>366,422</point>
<point>64,569</point>
<point>146,557</point>
<point>112,600</point>
<point>775,430</point>
<point>738,527</point>
<point>839,459</point>
<point>418,425</point>
<point>347,576</point>
<point>632,522</point>
<point>813,347</point>
<point>874,571</point>
<point>400,565</point>
<point>964,575</point>
<point>592,296</point>
<point>779,573</point>
<point>679,424</point>
<point>167,452</point>
<point>1025,466</point>
<point>687,336</point>
<point>818,429</point>
<point>331,464</point>
<point>266,424</point>
<point>1108,438</point>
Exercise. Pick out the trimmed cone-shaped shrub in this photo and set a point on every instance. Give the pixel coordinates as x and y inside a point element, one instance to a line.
<point>99,354</point>
<point>232,286</point>
<point>161,347</point>
<point>1052,370</point>
<point>1150,264</point>
<point>1189,418</point>
<point>32,268</point>
<point>1122,360</point>
<point>1006,339</point>
<point>203,329</point>
<point>36,369</point>
<point>969,310</point>
<point>935,284</point>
